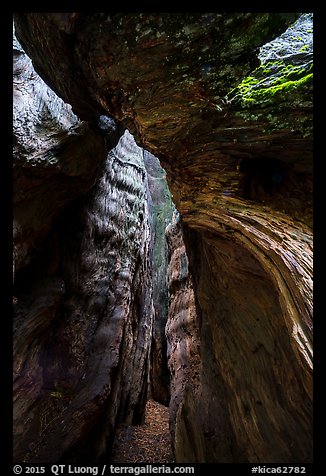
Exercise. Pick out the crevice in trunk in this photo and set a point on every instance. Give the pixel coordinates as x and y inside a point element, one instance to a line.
<point>130,310</point>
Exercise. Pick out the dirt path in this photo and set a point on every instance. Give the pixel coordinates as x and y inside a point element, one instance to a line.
<point>148,443</point>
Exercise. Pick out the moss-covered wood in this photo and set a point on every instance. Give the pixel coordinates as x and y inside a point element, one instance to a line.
<point>282,82</point>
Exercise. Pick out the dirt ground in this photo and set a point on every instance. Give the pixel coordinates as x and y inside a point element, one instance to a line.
<point>147,443</point>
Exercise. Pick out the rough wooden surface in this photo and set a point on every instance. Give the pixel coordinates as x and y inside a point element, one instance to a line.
<point>83,320</point>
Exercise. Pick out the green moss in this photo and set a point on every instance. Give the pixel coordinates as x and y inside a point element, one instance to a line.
<point>269,82</point>
<point>272,92</point>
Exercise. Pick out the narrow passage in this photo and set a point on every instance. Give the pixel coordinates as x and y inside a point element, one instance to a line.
<point>147,443</point>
